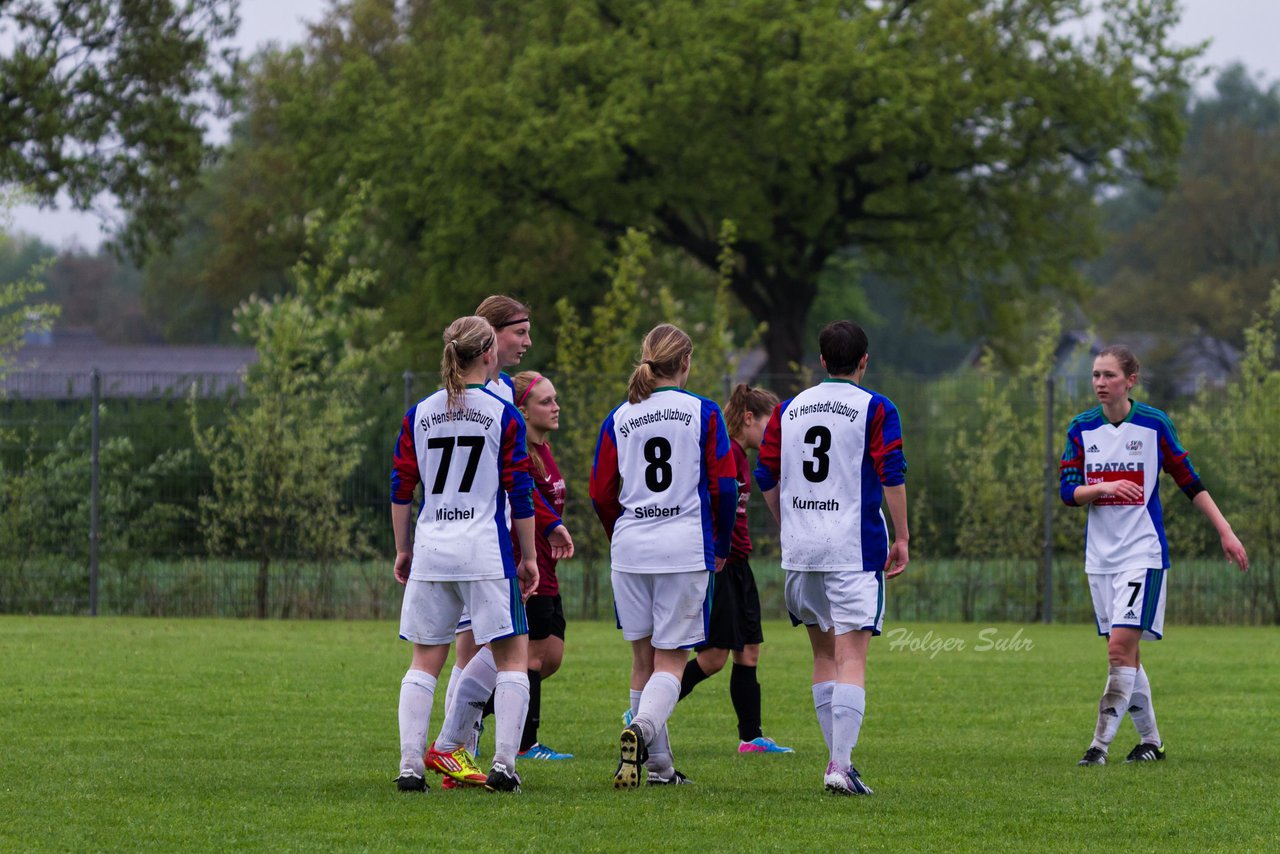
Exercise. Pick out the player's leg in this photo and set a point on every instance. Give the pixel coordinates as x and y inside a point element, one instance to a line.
<point>709,661</point>
<point>712,656</point>
<point>807,607</point>
<point>857,610</point>
<point>744,683</point>
<point>474,686</point>
<point>426,622</point>
<point>499,619</point>
<point>1150,747</point>
<point>546,651</point>
<point>1118,604</point>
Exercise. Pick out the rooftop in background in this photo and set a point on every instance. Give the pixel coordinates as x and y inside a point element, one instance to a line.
<point>61,365</point>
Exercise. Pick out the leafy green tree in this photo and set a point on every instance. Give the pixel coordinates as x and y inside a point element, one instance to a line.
<point>1200,259</point>
<point>280,462</point>
<point>109,96</point>
<point>955,147</point>
<point>19,313</point>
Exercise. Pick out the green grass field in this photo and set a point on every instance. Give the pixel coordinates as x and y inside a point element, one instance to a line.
<point>203,734</point>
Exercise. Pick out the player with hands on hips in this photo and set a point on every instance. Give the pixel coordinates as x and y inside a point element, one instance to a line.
<point>663,486</point>
<point>1111,464</point>
<point>466,446</point>
<point>829,457</point>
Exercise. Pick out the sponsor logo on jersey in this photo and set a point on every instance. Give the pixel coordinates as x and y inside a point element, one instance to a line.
<point>1098,467</point>
<point>454,514</point>
<point>1093,449</point>
<point>475,416</point>
<point>656,512</point>
<point>835,407</point>
<point>683,416</point>
<point>1134,445</point>
<point>811,504</point>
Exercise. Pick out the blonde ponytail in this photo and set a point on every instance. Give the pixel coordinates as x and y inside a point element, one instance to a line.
<point>663,355</point>
<point>465,340</point>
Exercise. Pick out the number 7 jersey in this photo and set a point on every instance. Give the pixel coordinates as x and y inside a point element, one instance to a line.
<point>664,484</point>
<point>829,449</point>
<point>468,460</point>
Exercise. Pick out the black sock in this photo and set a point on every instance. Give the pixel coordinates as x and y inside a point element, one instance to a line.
<point>744,691</point>
<point>692,676</point>
<point>534,716</point>
<point>488,709</point>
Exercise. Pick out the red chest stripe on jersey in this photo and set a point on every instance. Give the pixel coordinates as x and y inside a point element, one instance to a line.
<point>404,467</point>
<point>1134,477</point>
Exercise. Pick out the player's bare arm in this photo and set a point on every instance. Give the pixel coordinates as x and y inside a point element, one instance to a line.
<point>772,501</point>
<point>1231,545</point>
<point>896,499</point>
<point>527,571</point>
<point>402,525</point>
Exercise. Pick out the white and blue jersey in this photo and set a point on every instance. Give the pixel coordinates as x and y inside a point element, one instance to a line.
<point>664,484</point>
<point>830,450</point>
<point>1125,535</point>
<point>469,461</point>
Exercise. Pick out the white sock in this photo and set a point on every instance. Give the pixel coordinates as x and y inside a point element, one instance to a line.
<point>454,675</point>
<point>510,705</point>
<point>417,693</point>
<point>822,705</point>
<point>657,702</point>
<point>475,686</point>
<point>1112,706</point>
<point>635,703</point>
<point>1141,710</point>
<point>848,704</point>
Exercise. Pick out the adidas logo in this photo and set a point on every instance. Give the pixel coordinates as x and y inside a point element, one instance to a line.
<point>1093,449</point>
<point>1110,713</point>
<point>1129,615</point>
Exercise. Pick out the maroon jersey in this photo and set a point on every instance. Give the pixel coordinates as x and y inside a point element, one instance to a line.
<point>740,544</point>
<point>548,507</point>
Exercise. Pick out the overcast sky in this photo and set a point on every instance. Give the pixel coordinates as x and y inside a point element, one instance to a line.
<point>1239,30</point>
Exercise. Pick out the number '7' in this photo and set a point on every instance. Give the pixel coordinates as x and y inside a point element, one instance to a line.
<point>445,444</point>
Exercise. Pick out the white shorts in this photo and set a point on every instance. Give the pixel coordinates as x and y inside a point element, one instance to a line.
<point>1130,599</point>
<point>430,610</point>
<point>848,600</point>
<point>671,608</point>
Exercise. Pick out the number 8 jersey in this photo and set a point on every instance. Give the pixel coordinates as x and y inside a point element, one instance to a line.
<point>664,484</point>
<point>468,461</point>
<point>829,449</point>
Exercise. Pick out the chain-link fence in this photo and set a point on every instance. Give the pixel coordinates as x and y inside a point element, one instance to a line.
<point>101,487</point>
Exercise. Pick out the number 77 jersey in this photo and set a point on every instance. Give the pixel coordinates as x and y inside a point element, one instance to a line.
<point>468,460</point>
<point>829,450</point>
<point>664,484</point>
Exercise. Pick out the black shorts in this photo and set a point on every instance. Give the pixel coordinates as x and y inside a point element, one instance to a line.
<point>735,608</point>
<point>546,617</point>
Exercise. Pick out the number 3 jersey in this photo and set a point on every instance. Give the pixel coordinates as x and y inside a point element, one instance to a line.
<point>1121,534</point>
<point>829,450</point>
<point>468,460</point>
<point>664,484</point>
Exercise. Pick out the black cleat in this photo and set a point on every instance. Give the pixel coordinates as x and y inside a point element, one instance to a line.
<point>632,754</point>
<point>676,779</point>
<point>1094,756</point>
<point>1146,752</point>
<point>408,781</point>
<point>502,780</point>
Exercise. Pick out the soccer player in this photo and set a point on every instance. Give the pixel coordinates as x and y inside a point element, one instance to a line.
<point>538,402</point>
<point>474,674</point>
<point>1112,463</point>
<point>829,457</point>
<point>466,446</point>
<point>663,486</point>
<point>735,601</point>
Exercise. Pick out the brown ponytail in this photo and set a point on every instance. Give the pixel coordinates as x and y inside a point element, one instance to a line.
<point>465,340</point>
<point>758,401</point>
<point>663,354</point>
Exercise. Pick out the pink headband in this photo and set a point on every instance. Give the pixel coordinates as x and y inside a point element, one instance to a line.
<point>536,380</point>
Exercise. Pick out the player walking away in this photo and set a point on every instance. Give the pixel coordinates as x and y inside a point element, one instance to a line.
<point>663,487</point>
<point>466,446</point>
<point>1112,463</point>
<point>735,601</point>
<point>536,397</point>
<point>828,458</point>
